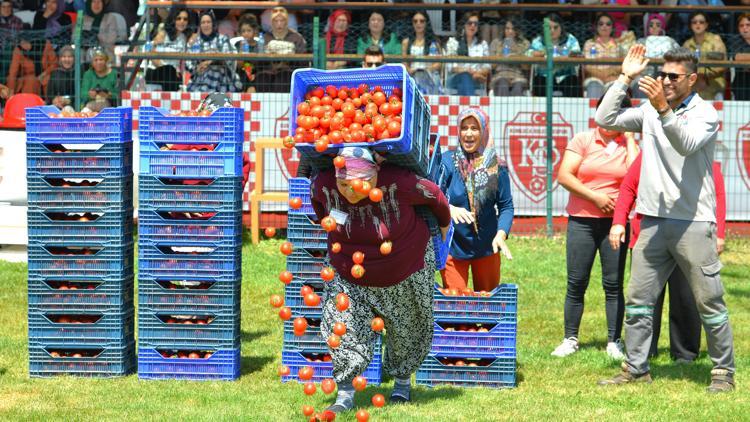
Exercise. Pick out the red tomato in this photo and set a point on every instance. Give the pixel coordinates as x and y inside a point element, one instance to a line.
<point>336,137</point>
<point>362,415</point>
<point>310,388</point>
<point>379,98</point>
<point>332,91</point>
<point>394,128</point>
<point>358,257</point>
<point>286,248</point>
<point>336,247</point>
<point>312,299</point>
<point>349,110</point>
<point>326,100</point>
<point>371,110</point>
<point>295,203</point>
<point>361,118</point>
<point>339,328</point>
<point>358,271</point>
<point>396,105</point>
<point>321,145</point>
<point>339,162</point>
<point>286,277</point>
<point>303,108</point>
<point>300,324</point>
<point>285,313</point>
<point>358,135</point>
<point>327,274</point>
<point>284,371</point>
<point>337,103</point>
<point>305,290</point>
<point>328,224</point>
<point>269,232</point>
<point>317,92</point>
<point>342,302</point>
<point>377,88</point>
<point>363,88</point>
<point>343,93</point>
<point>376,195</point>
<point>379,124</point>
<point>377,324</point>
<point>288,142</point>
<point>317,111</point>
<point>277,301</point>
<point>308,410</point>
<point>328,385</point>
<point>366,188</point>
<point>356,101</point>
<point>378,400</point>
<point>334,341</point>
<point>359,382</point>
<point>386,247</point>
<point>397,92</point>
<point>385,109</point>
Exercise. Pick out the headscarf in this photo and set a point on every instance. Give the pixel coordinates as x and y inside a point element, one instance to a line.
<point>210,37</point>
<point>655,16</point>
<point>338,46</point>
<point>53,24</point>
<point>479,169</point>
<point>360,164</point>
<point>97,17</point>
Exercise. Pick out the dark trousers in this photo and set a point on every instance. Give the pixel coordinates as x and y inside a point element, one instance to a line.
<point>684,321</point>
<point>586,237</point>
<point>166,76</point>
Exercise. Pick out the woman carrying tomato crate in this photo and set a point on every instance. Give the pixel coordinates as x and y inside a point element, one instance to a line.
<point>476,182</point>
<point>384,260</point>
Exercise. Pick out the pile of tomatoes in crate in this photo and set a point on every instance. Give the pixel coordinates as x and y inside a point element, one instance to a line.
<point>73,114</point>
<point>333,116</point>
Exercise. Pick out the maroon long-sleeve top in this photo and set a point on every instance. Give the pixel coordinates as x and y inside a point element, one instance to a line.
<point>629,192</point>
<point>368,224</point>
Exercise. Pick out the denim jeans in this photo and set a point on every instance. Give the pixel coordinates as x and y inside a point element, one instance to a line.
<point>463,83</point>
<point>585,237</point>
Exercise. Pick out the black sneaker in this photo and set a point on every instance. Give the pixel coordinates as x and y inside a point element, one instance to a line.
<point>722,381</point>
<point>625,377</point>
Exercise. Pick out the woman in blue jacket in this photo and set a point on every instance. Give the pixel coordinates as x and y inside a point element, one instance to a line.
<point>477,185</point>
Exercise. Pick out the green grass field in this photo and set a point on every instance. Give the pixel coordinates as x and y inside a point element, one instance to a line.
<point>548,388</point>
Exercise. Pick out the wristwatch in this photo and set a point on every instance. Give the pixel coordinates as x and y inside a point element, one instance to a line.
<point>664,110</point>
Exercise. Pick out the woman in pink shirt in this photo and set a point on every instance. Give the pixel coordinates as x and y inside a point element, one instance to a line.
<point>592,169</point>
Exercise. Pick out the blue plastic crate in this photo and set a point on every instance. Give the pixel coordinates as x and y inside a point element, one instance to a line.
<point>111,125</point>
<point>202,226</point>
<point>304,263</point>
<point>223,130</point>
<point>66,158</point>
<point>158,262</point>
<point>490,373</point>
<point>304,233</point>
<point>113,327</point>
<point>104,362</point>
<point>500,303</point>
<point>436,157</point>
<point>442,247</point>
<point>409,150</point>
<point>296,360</point>
<point>200,294</point>
<point>312,340</point>
<point>299,187</point>
<point>500,340</point>
<point>108,261</point>
<point>221,365</point>
<point>73,291</point>
<point>222,193</point>
<point>47,192</point>
<point>231,242</point>
<point>222,331</point>
<point>55,226</point>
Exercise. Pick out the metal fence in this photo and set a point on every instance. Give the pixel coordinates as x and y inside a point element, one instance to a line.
<point>258,76</point>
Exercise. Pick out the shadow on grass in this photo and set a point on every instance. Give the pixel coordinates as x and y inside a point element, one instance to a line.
<point>738,292</point>
<point>420,394</point>
<point>250,364</point>
<point>252,335</point>
<point>3,371</point>
<point>698,372</point>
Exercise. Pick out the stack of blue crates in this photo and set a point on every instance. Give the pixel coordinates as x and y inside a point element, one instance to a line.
<point>474,341</point>
<point>80,219</point>
<point>305,263</point>
<point>189,245</point>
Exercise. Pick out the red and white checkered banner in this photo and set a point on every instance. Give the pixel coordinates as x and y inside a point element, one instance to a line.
<point>517,125</point>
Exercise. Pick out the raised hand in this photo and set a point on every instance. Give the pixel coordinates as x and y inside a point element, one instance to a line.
<point>654,90</point>
<point>635,61</point>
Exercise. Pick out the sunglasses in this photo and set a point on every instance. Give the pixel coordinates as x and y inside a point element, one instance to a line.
<point>472,23</point>
<point>605,23</point>
<point>698,21</point>
<point>373,64</point>
<point>674,77</point>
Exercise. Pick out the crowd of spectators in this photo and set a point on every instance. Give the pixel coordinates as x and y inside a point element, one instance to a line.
<point>36,47</point>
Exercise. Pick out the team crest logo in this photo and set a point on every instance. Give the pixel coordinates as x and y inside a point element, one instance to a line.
<point>526,151</point>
